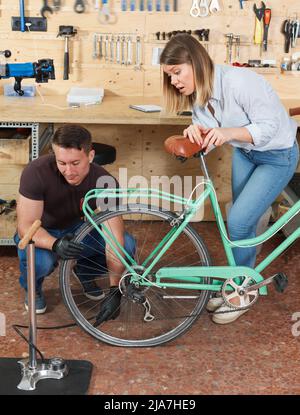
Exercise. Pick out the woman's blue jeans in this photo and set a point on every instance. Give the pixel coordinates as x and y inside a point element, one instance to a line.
<point>257,179</point>
<point>92,259</point>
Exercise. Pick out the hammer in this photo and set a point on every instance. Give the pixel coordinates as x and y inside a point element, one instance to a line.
<point>66,32</point>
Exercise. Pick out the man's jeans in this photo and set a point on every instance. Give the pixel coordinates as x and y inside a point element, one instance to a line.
<point>257,179</point>
<point>92,263</point>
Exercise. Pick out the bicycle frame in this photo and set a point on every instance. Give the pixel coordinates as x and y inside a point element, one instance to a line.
<point>190,277</point>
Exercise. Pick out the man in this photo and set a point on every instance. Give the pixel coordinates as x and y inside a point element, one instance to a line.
<point>52,189</point>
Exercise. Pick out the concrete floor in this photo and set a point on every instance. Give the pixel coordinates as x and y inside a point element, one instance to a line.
<point>258,354</point>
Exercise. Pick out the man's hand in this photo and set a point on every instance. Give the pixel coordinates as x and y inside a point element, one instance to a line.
<point>195,133</point>
<point>66,249</point>
<point>110,306</point>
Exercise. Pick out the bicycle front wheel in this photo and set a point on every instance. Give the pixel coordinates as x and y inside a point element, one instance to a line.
<point>173,310</point>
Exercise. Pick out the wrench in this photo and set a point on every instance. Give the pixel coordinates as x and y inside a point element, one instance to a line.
<point>138,60</point>
<point>123,48</point>
<point>101,47</point>
<point>79,6</point>
<point>56,4</point>
<point>112,49</point>
<point>106,42</point>
<point>118,49</point>
<point>95,42</point>
<point>129,51</point>
<point>46,8</point>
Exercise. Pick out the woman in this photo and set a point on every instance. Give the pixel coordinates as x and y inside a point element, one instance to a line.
<point>236,106</point>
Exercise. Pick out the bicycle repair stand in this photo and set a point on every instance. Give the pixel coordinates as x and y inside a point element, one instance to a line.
<point>74,374</point>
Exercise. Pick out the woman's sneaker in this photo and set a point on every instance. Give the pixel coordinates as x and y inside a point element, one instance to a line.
<point>40,302</point>
<point>214,303</point>
<point>226,314</point>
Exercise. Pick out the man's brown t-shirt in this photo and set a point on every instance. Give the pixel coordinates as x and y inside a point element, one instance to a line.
<point>41,180</point>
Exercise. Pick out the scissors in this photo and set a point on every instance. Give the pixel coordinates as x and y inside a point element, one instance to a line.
<point>200,10</point>
<point>105,16</point>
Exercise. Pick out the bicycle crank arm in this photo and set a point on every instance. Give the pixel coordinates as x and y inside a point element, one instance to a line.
<point>258,285</point>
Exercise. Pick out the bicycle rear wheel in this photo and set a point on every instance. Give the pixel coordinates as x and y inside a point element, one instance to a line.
<point>174,309</point>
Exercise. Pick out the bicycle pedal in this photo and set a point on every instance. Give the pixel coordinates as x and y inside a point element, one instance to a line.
<point>280,281</point>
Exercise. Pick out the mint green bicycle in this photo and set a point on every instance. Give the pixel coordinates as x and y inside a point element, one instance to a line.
<point>168,276</point>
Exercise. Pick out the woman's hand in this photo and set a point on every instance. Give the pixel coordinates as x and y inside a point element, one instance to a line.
<point>216,137</point>
<point>195,133</point>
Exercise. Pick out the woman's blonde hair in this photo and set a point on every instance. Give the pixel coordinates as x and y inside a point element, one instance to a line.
<point>184,48</point>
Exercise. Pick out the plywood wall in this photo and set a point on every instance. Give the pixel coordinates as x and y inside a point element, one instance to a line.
<point>140,148</point>
<point>122,80</point>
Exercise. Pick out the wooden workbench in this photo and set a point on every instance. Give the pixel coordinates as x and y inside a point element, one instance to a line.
<point>113,110</point>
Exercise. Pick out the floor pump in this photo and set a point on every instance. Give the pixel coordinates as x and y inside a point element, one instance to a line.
<point>74,375</point>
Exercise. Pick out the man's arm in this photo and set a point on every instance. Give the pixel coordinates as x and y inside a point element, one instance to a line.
<point>115,267</point>
<point>28,211</point>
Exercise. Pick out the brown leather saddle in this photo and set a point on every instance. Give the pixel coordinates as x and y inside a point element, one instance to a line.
<point>181,147</point>
<point>294,111</point>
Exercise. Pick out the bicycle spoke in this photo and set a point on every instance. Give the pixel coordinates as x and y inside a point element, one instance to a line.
<point>173,309</point>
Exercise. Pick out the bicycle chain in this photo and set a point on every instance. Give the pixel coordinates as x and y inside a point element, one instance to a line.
<point>231,311</point>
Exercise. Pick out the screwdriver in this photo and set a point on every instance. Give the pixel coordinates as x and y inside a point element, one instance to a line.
<point>267,19</point>
<point>132,5</point>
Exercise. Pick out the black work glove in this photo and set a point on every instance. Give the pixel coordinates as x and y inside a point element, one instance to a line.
<point>110,306</point>
<point>65,248</point>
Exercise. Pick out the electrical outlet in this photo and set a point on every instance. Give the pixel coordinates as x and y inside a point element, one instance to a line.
<point>38,24</point>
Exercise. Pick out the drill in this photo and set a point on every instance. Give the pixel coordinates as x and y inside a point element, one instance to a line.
<point>41,71</point>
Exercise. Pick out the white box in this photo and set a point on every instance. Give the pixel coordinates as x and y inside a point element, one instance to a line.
<point>85,96</point>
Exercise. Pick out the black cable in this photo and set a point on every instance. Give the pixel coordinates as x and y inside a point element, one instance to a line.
<point>15,327</point>
<point>47,328</point>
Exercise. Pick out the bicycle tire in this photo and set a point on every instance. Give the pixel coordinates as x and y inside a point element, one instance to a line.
<point>114,332</point>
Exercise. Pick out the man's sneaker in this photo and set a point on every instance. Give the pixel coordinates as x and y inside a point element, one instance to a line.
<point>214,303</point>
<point>90,288</point>
<point>40,302</point>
